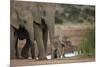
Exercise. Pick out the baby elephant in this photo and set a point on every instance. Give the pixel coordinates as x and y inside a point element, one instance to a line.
<point>57,48</point>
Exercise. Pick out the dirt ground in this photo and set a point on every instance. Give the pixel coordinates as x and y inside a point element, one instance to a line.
<point>31,62</point>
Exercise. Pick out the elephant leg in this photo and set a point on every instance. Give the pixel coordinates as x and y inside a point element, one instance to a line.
<point>53,53</point>
<point>56,53</point>
<point>32,47</point>
<point>51,35</point>
<point>16,49</point>
<point>59,53</point>
<point>45,39</point>
<point>63,51</point>
<point>28,46</point>
<point>25,50</point>
<point>39,39</point>
<point>45,34</point>
<point>36,49</point>
<point>51,27</point>
<point>29,27</point>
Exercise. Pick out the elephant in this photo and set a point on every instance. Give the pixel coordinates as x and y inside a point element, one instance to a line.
<point>20,18</point>
<point>58,48</point>
<point>38,19</point>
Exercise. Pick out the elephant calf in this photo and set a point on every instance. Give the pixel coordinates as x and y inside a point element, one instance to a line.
<point>60,46</point>
<point>56,49</point>
<point>68,44</point>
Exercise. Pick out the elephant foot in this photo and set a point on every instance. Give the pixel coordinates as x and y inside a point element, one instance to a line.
<point>33,57</point>
<point>44,58</point>
<point>38,59</point>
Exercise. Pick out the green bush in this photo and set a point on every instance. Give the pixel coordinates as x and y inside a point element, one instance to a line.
<point>58,20</point>
<point>80,20</point>
<point>87,45</point>
<point>73,13</point>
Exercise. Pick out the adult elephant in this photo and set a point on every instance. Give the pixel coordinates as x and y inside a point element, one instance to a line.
<point>20,15</point>
<point>38,19</point>
<point>48,17</point>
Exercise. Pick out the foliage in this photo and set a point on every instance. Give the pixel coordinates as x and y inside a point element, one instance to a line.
<point>57,18</point>
<point>75,13</point>
<point>87,45</point>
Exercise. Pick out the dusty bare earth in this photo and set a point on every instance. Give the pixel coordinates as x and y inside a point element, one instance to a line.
<point>27,62</point>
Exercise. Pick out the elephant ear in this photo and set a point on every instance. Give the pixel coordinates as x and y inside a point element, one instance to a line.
<point>15,30</point>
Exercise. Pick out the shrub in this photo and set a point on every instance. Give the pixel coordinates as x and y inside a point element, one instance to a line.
<point>58,20</point>
<point>87,45</point>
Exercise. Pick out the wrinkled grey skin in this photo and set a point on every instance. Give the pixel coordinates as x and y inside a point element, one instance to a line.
<point>30,16</point>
